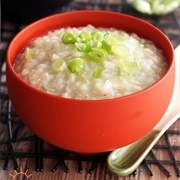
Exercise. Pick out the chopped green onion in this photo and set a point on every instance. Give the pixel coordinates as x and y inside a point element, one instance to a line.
<point>120,50</point>
<point>58,65</point>
<point>76,65</point>
<point>30,52</point>
<point>69,37</point>
<point>97,44</point>
<point>98,71</point>
<point>108,42</point>
<point>106,35</point>
<point>97,55</point>
<point>83,46</point>
<point>85,35</point>
<point>127,68</point>
<point>97,35</point>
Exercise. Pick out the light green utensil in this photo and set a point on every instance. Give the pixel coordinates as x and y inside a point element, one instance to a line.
<point>124,161</point>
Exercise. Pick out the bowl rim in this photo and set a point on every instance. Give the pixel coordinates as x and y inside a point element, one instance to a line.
<point>42,20</point>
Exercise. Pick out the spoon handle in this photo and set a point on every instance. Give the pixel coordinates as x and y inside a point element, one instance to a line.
<point>131,156</point>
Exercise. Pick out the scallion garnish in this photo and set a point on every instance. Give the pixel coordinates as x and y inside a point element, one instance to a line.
<point>97,55</point>
<point>127,68</point>
<point>97,44</point>
<point>85,35</point>
<point>108,42</point>
<point>120,50</point>
<point>30,52</point>
<point>97,35</point>
<point>83,45</point>
<point>69,37</point>
<point>58,65</point>
<point>98,71</point>
<point>76,65</point>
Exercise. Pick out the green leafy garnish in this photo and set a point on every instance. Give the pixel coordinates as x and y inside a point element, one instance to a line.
<point>108,42</point>
<point>58,65</point>
<point>97,35</point>
<point>76,65</point>
<point>30,53</point>
<point>97,55</point>
<point>85,35</point>
<point>96,46</point>
<point>127,68</point>
<point>83,45</point>
<point>120,50</point>
<point>98,71</point>
<point>69,37</point>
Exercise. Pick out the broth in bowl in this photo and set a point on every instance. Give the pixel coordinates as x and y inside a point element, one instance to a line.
<point>90,63</point>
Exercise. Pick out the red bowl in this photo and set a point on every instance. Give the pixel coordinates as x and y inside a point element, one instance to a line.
<point>90,126</point>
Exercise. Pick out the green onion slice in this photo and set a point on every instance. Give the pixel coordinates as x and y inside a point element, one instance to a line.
<point>97,44</point>
<point>85,35</point>
<point>83,45</point>
<point>127,68</point>
<point>30,52</point>
<point>98,71</point>
<point>76,65</point>
<point>97,35</point>
<point>108,42</point>
<point>58,65</point>
<point>121,50</point>
<point>69,37</point>
<point>97,55</point>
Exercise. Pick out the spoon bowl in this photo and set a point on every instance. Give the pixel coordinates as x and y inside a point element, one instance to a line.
<point>124,161</point>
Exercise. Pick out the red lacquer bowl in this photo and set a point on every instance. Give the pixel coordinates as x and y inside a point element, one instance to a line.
<point>90,126</point>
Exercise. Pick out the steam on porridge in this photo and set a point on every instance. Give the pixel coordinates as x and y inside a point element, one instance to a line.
<point>90,63</point>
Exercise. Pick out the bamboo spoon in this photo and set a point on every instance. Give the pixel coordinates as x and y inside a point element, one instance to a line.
<point>124,161</point>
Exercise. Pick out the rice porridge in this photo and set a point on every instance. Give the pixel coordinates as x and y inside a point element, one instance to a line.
<point>90,63</point>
